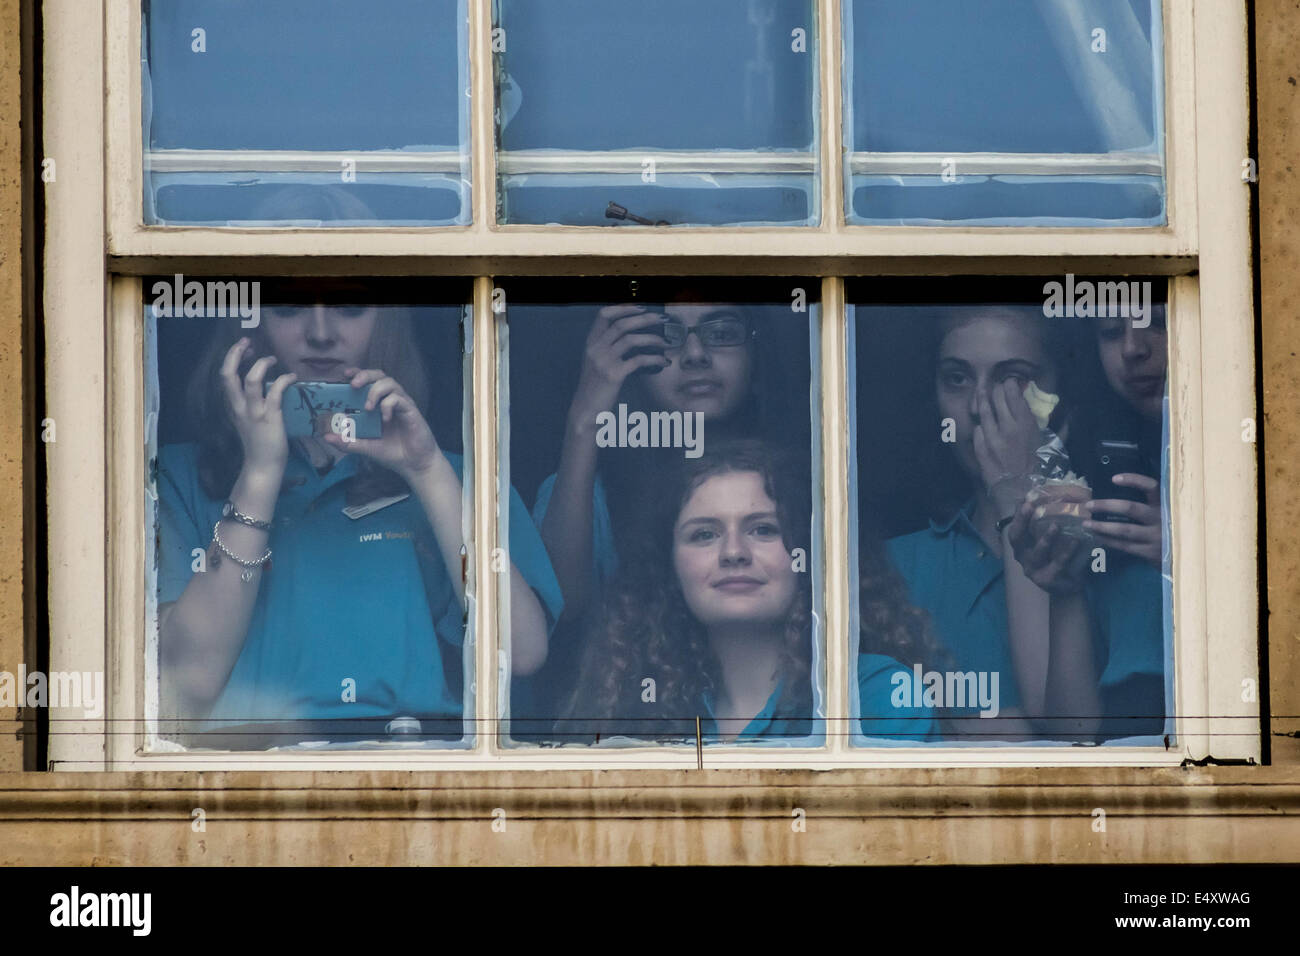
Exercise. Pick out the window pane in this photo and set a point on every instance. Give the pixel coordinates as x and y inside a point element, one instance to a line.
<point>1021,112</point>
<point>675,505</point>
<point>316,112</point>
<point>354,622</point>
<point>679,112</point>
<point>975,402</point>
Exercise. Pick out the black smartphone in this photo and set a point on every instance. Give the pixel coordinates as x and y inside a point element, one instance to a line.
<point>651,349</point>
<point>1117,458</point>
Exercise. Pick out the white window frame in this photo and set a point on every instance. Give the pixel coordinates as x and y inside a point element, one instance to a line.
<point>97,250</point>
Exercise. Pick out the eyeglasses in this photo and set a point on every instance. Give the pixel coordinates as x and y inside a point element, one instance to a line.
<point>720,333</point>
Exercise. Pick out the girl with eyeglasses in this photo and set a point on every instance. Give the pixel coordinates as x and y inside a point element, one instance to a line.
<point>675,350</point>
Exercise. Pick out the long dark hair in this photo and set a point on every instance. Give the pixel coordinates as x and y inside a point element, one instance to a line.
<point>1107,415</point>
<point>393,348</point>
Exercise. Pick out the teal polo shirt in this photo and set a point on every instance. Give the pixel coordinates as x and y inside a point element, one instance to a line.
<point>368,600</point>
<point>604,556</point>
<point>952,574</point>
<point>879,717</point>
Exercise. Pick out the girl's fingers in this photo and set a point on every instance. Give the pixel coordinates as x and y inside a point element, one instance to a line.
<point>1016,403</point>
<point>1042,551</point>
<point>1144,483</point>
<point>621,330</point>
<point>636,340</point>
<point>276,393</point>
<point>363,446</point>
<point>1134,480</point>
<point>1061,560</point>
<point>1143,514</point>
<point>630,365</point>
<point>391,404</point>
<point>253,391</point>
<point>230,377</point>
<point>1118,531</point>
<point>365,376</point>
<point>1137,549</point>
<point>381,390</point>
<point>983,455</point>
<point>1018,530</point>
<point>1001,407</point>
<point>611,314</point>
<point>988,417</point>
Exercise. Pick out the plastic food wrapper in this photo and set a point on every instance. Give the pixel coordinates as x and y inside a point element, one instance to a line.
<point>1056,492</point>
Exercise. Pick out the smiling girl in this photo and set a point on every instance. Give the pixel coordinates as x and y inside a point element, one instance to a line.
<point>711,608</point>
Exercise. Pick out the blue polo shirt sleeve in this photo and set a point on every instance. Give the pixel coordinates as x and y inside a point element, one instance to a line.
<point>1127,607</point>
<point>881,716</point>
<point>528,554</point>
<point>604,556</point>
<point>183,524</point>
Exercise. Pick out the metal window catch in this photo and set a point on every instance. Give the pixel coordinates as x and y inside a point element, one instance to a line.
<point>615,211</point>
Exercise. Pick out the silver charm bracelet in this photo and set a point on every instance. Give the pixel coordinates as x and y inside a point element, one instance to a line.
<point>248,566</point>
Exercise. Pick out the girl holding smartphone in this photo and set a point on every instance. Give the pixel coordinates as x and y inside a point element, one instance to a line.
<point>319,580</point>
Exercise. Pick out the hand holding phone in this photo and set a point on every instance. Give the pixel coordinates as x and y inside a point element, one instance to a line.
<point>1138,530</point>
<point>317,409</point>
<point>1117,458</point>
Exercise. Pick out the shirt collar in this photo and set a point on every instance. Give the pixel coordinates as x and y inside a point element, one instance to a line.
<point>979,568</point>
<point>301,477</point>
<point>962,515</point>
<point>760,722</point>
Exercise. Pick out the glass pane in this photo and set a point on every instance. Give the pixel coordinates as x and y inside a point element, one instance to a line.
<point>677,112</point>
<point>352,633</point>
<point>663,429</point>
<point>1043,403</point>
<point>1020,112</point>
<point>306,112</point>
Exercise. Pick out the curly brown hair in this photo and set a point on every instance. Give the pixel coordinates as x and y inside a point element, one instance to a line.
<point>646,630</point>
<point>888,622</point>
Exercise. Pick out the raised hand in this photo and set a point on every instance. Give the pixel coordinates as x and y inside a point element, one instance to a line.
<point>1006,440</point>
<point>1145,537</point>
<point>257,417</point>
<point>407,445</point>
<point>606,362</point>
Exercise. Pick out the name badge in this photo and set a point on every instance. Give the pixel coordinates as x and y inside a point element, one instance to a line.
<point>370,507</point>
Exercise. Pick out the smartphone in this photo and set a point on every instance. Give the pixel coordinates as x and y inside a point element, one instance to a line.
<point>1117,458</point>
<point>651,349</point>
<point>316,409</point>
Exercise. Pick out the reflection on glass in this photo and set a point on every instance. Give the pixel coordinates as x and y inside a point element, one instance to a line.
<point>1021,112</point>
<point>305,112</point>
<point>309,487</point>
<point>677,112</point>
<point>624,395</point>
<point>1013,454</point>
